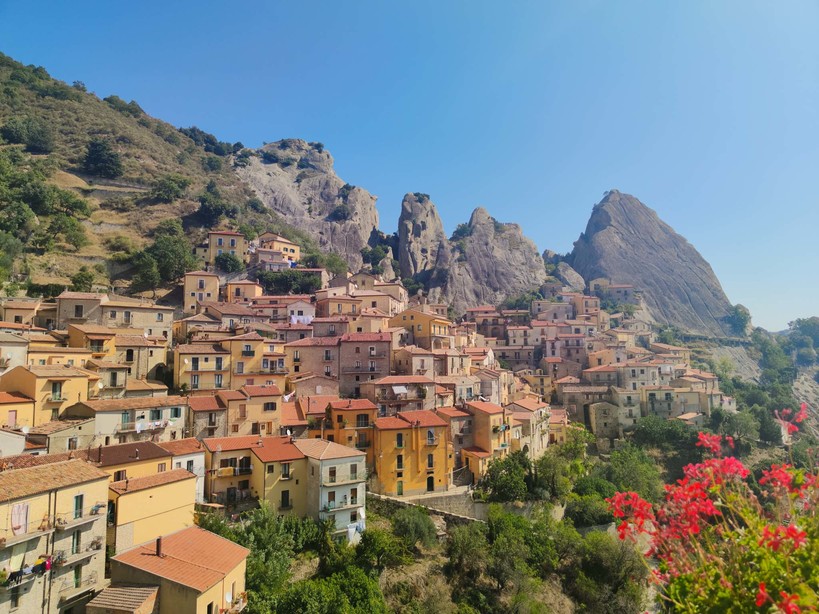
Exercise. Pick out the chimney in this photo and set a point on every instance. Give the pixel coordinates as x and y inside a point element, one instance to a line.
<point>159,547</point>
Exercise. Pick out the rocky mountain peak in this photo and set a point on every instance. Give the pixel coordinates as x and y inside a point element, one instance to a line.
<point>627,242</point>
<point>423,244</point>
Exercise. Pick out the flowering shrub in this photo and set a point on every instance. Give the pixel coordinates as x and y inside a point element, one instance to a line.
<point>714,546</point>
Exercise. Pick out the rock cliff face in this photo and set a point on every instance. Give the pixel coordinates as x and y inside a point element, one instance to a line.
<point>488,262</point>
<point>627,242</point>
<point>423,244</point>
<point>296,179</point>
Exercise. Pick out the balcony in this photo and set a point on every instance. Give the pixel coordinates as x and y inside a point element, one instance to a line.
<point>239,603</point>
<point>363,444</point>
<point>144,425</point>
<point>34,530</point>
<point>243,470</point>
<point>248,353</point>
<point>74,519</point>
<point>22,581</point>
<point>70,588</point>
<point>64,558</point>
<point>360,476</point>
<point>344,504</point>
<point>431,441</point>
<point>226,472</point>
<point>55,398</point>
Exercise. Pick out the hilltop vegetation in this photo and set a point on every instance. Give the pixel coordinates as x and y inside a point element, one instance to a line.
<point>88,181</point>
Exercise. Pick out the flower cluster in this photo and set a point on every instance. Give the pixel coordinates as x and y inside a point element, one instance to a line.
<point>718,546</point>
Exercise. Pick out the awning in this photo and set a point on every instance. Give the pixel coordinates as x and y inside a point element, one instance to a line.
<point>399,389</point>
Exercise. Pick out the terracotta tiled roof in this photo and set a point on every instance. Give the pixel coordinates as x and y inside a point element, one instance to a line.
<point>452,412</point>
<point>14,397</point>
<point>191,557</point>
<point>32,480</point>
<point>278,449</point>
<point>244,442</point>
<point>315,404</point>
<point>326,450</point>
<point>205,403</point>
<point>55,426</point>
<point>201,348</point>
<point>422,417</point>
<point>530,404</point>
<point>86,296</point>
<point>135,403</point>
<point>230,395</point>
<point>391,423</point>
<point>123,599</point>
<point>262,391</point>
<point>18,326</point>
<point>141,384</point>
<point>476,451</point>
<point>181,447</point>
<point>150,481</point>
<point>123,453</point>
<point>352,404</point>
<point>483,406</point>
<point>291,416</point>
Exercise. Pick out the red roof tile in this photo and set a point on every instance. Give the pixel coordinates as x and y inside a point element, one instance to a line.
<point>422,418</point>
<point>205,403</point>
<point>150,481</point>
<point>483,406</point>
<point>352,404</point>
<point>191,557</point>
<point>180,447</point>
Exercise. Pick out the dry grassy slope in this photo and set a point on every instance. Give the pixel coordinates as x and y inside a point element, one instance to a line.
<point>149,148</point>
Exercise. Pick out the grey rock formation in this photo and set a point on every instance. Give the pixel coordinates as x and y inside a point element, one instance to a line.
<point>296,180</point>
<point>627,242</point>
<point>569,276</point>
<point>422,242</point>
<point>493,262</point>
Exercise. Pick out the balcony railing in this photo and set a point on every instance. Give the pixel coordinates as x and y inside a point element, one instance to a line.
<point>352,478</point>
<point>248,353</point>
<point>334,506</point>
<point>431,441</point>
<point>146,425</point>
<point>239,603</point>
<point>71,587</point>
<point>69,520</point>
<point>243,471</point>
<point>33,530</point>
<point>55,398</point>
<point>362,444</point>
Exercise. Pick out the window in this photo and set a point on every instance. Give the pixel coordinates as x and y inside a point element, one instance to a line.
<point>160,317</point>
<point>218,365</point>
<point>76,542</point>
<point>176,412</point>
<point>56,391</point>
<point>156,414</point>
<point>399,461</point>
<point>72,443</point>
<point>399,440</point>
<point>234,428</point>
<point>358,350</point>
<point>286,471</point>
<point>217,380</point>
<point>270,406</point>
<point>430,461</point>
<point>353,515</point>
<point>160,467</point>
<point>78,499</point>
<point>120,475</point>
<point>78,311</point>
<point>332,479</point>
<point>129,355</point>
<point>219,241</point>
<point>328,370</point>
<point>127,316</point>
<point>285,500</point>
<point>353,471</point>
<point>372,350</point>
<point>328,355</point>
<point>194,382</point>
<point>271,468</point>
<point>240,368</point>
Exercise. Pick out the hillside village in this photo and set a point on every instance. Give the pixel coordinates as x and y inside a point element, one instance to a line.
<point>122,416</point>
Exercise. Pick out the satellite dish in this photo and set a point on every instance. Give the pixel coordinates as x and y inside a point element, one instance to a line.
<point>26,430</point>
<point>100,385</point>
<point>185,361</point>
<point>145,334</point>
<point>288,432</point>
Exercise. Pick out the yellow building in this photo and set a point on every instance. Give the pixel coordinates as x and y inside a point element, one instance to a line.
<point>197,287</point>
<point>243,291</point>
<point>53,388</point>
<point>412,454</point>
<point>52,512</point>
<point>428,330</point>
<point>226,242</point>
<point>201,366</point>
<point>256,412</point>
<point>16,410</point>
<point>492,436</point>
<point>142,509</point>
<point>348,422</point>
<point>197,572</point>
<point>270,468</point>
<point>290,251</point>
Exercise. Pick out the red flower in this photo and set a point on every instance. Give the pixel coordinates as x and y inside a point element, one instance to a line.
<point>762,596</point>
<point>803,413</point>
<point>778,476</point>
<point>788,603</point>
<point>712,443</point>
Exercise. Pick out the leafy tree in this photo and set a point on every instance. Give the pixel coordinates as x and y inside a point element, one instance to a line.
<point>631,469</point>
<point>380,549</point>
<point>126,108</point>
<point>10,248</point>
<point>588,510</point>
<point>340,213</point>
<point>169,188</point>
<point>289,281</point>
<point>462,231</point>
<point>738,319</point>
<point>808,327</point>
<point>229,263</point>
<point>171,252</point>
<point>82,280</point>
<point>413,525</point>
<point>146,273</point>
<point>505,478</point>
<point>507,557</point>
<point>71,229</point>
<point>467,551</point>
<point>102,160</point>
<point>212,205</point>
<point>211,164</point>
<point>552,475</point>
<point>32,132</point>
<point>330,261</point>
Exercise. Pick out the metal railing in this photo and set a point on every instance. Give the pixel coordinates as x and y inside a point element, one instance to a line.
<point>238,604</point>
<point>55,398</point>
<point>70,586</point>
<point>68,519</point>
<point>248,353</point>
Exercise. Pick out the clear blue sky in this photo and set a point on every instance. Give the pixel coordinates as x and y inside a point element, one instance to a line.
<point>706,111</point>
